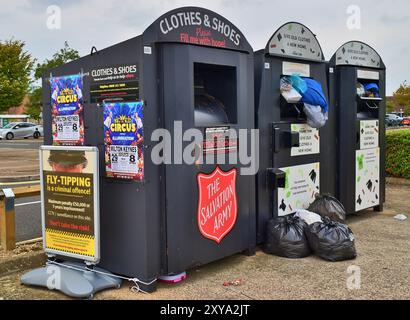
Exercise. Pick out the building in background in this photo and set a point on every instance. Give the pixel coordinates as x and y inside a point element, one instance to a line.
<point>18,114</point>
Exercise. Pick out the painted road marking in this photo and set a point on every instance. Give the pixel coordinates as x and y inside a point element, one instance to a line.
<point>19,183</point>
<point>27,203</point>
<point>15,144</point>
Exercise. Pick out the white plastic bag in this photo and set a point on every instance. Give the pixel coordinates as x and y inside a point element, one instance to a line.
<point>308,217</point>
<point>291,96</point>
<point>316,118</point>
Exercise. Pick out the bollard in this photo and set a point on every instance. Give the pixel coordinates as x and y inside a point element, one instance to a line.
<point>7,220</point>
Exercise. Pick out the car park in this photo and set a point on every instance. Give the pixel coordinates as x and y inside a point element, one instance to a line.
<point>393,120</point>
<point>405,121</point>
<point>21,130</point>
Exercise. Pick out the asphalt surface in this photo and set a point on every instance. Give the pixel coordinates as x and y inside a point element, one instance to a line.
<point>381,270</point>
<point>28,210</point>
<point>28,214</point>
<point>21,144</point>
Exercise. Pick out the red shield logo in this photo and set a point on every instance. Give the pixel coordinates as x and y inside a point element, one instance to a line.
<point>217,205</point>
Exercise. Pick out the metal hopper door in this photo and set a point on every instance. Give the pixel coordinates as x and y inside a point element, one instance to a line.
<point>195,234</point>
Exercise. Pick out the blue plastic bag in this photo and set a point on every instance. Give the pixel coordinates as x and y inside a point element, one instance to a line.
<point>314,95</point>
<point>372,88</point>
<point>298,83</point>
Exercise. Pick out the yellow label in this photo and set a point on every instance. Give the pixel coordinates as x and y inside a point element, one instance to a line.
<point>70,242</point>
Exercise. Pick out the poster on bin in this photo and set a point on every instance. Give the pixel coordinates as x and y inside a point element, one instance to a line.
<point>70,203</point>
<point>301,186</point>
<point>67,110</point>
<point>124,137</point>
<point>367,178</point>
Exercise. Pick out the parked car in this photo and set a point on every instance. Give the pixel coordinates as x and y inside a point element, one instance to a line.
<point>21,130</point>
<point>405,121</point>
<point>393,120</point>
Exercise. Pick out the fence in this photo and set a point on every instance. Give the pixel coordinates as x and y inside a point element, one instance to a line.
<point>7,213</point>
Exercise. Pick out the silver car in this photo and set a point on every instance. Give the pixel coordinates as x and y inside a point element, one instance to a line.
<point>21,130</point>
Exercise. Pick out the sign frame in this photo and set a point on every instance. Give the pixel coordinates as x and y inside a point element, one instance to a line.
<point>96,199</point>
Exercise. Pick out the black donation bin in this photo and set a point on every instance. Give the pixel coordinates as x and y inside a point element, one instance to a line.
<point>357,78</point>
<point>296,159</point>
<point>191,68</point>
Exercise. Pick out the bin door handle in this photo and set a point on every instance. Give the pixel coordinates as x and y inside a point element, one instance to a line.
<point>276,178</point>
<point>276,139</point>
<point>291,139</point>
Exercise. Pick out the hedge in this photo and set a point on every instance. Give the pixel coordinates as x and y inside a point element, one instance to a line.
<point>398,153</point>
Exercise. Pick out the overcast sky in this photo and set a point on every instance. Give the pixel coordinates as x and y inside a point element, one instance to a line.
<point>385,25</point>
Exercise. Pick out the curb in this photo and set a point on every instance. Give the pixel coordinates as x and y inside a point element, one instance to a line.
<point>398,181</point>
<point>24,262</point>
<point>19,179</point>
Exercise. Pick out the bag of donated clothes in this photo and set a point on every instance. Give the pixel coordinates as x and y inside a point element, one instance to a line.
<point>286,237</point>
<point>372,90</point>
<point>314,95</point>
<point>316,118</point>
<point>308,216</point>
<point>328,206</point>
<point>315,105</point>
<point>288,92</point>
<point>331,240</point>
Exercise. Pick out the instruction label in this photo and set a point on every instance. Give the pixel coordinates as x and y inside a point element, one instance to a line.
<point>219,141</point>
<point>309,140</point>
<point>291,68</point>
<point>367,178</point>
<point>369,134</point>
<point>302,185</point>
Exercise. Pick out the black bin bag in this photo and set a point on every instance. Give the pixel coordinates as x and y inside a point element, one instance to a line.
<point>328,206</point>
<point>286,237</point>
<point>331,240</point>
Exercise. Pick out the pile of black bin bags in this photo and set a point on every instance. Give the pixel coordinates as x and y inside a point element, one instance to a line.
<point>319,230</point>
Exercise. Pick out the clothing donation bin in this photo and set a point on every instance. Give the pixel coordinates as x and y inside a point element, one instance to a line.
<point>296,160</point>
<point>357,81</point>
<point>159,215</point>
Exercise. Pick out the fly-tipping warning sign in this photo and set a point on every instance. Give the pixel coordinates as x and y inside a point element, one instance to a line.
<point>70,206</point>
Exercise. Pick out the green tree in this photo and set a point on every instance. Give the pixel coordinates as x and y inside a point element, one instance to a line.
<point>35,103</point>
<point>61,57</point>
<point>390,105</point>
<point>15,69</point>
<point>401,97</point>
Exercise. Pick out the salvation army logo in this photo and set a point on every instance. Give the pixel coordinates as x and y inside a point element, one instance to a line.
<point>217,204</point>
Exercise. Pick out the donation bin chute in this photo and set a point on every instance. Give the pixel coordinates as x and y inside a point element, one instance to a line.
<point>296,160</point>
<point>194,66</point>
<point>357,80</point>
